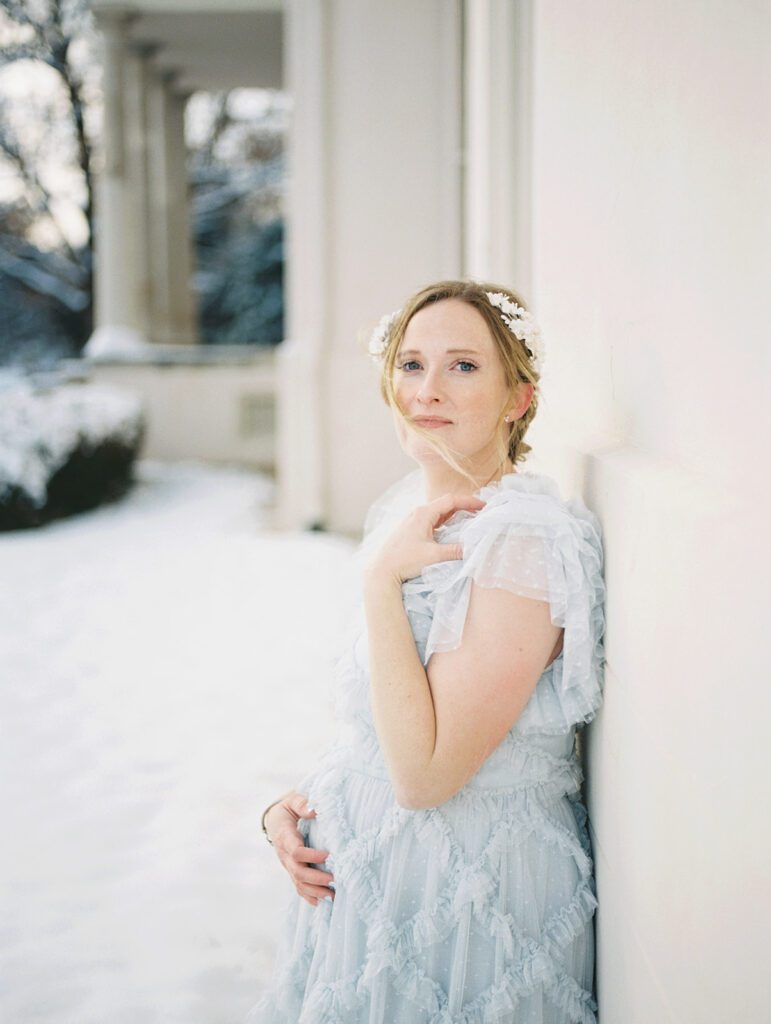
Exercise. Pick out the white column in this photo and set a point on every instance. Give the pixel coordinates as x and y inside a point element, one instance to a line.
<point>498,142</point>
<point>137,250</point>
<point>374,213</point>
<point>182,312</point>
<point>301,425</point>
<point>118,312</point>
<point>173,320</point>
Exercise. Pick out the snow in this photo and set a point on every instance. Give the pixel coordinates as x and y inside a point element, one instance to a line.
<point>41,427</point>
<point>166,667</point>
<point>111,341</point>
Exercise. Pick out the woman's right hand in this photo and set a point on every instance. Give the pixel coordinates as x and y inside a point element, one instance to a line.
<point>281,824</point>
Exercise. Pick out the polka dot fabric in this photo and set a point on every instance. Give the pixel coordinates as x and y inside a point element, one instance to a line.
<point>529,541</point>
<point>479,910</point>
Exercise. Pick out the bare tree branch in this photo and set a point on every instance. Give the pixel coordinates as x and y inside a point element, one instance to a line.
<point>52,48</point>
<point>44,280</point>
<point>55,25</point>
<point>40,199</point>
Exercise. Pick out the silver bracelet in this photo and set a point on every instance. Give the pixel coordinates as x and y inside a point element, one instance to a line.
<point>262,819</point>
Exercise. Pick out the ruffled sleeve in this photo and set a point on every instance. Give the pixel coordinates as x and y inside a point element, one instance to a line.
<point>526,540</point>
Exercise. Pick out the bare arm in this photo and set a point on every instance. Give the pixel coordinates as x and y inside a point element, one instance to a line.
<point>437,727</point>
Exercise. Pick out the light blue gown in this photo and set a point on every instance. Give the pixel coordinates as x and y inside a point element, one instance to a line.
<point>481,909</point>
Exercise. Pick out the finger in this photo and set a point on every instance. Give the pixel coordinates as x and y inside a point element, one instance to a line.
<point>297,803</point>
<point>313,900</point>
<point>442,505</point>
<point>304,802</point>
<point>441,520</point>
<point>307,854</point>
<point>319,891</point>
<point>443,508</point>
<point>312,876</point>
<point>301,807</point>
<point>450,500</point>
<point>316,892</point>
<point>447,552</point>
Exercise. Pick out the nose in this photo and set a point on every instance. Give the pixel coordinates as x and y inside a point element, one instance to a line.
<point>429,390</point>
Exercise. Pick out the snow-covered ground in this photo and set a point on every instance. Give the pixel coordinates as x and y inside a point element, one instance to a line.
<point>164,667</point>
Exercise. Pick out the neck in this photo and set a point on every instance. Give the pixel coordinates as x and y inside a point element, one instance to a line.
<point>439,479</point>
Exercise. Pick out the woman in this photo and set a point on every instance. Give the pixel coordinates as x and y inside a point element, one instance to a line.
<point>440,848</point>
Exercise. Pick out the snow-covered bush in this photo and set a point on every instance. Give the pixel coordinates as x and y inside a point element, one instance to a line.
<point>64,448</point>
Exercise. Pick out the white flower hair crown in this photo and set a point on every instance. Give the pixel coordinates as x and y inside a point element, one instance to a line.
<point>519,321</point>
<point>378,343</point>
<point>522,325</point>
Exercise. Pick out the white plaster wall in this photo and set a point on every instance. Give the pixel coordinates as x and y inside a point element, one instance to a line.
<point>394,213</point>
<point>219,412</point>
<point>650,272</point>
<point>385,222</point>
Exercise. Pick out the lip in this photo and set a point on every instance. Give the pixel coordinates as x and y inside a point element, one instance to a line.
<point>431,421</point>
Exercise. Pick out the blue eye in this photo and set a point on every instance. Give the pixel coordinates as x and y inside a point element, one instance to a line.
<point>409,364</point>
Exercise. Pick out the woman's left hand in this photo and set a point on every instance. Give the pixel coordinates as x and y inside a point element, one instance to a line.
<point>411,547</point>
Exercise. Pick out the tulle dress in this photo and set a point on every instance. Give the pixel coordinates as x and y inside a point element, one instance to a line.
<point>480,909</point>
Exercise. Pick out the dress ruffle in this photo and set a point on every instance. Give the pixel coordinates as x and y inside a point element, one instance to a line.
<point>467,890</point>
<point>528,541</point>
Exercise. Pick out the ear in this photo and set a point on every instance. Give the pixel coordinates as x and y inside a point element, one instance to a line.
<point>521,403</point>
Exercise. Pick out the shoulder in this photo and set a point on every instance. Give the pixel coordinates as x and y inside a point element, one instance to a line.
<point>527,502</point>
<point>529,539</point>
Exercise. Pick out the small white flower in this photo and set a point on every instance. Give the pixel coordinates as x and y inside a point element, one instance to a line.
<point>522,325</point>
<point>381,335</point>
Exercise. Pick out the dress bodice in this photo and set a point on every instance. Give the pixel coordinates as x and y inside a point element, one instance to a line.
<point>530,541</point>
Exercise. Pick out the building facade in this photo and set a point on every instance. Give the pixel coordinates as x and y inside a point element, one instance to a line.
<point>604,160</point>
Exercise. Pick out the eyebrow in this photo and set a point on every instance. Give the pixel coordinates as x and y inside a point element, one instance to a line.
<point>450,351</point>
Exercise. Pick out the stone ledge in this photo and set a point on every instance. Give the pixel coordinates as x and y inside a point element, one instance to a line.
<point>181,355</point>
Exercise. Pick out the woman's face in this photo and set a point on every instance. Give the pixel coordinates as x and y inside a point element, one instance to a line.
<point>449,378</point>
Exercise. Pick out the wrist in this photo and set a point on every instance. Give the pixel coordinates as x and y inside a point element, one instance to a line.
<point>378,577</point>
<point>266,815</point>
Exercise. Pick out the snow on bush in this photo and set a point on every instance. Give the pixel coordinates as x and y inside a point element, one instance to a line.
<point>63,448</point>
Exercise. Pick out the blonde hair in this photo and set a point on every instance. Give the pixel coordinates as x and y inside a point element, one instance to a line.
<point>516,362</point>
